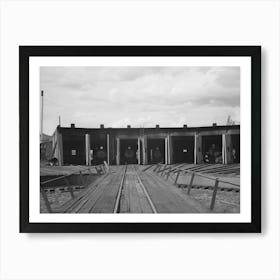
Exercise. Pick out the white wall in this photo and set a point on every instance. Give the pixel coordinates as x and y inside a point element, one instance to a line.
<point>139,256</point>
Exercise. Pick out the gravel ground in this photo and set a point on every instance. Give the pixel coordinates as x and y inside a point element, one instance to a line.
<point>56,199</point>
<point>226,202</point>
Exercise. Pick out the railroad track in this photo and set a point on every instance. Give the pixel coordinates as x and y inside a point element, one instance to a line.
<point>126,189</point>
<point>121,189</point>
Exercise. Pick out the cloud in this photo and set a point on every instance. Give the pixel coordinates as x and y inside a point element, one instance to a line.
<point>228,77</point>
<point>140,96</point>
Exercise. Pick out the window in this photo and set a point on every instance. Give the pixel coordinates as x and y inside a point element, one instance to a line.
<point>73,152</point>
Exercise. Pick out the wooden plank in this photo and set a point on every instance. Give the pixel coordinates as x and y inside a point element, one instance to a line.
<point>66,206</point>
<point>169,199</point>
<point>165,197</point>
<point>91,200</point>
<point>144,204</point>
<point>106,201</point>
<point>135,206</point>
<point>151,204</point>
<point>124,205</point>
<point>134,199</point>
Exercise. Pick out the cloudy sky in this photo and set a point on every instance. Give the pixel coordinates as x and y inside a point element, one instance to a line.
<point>139,96</point>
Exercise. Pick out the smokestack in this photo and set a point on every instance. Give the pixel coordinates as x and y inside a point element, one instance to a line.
<point>72,125</point>
<point>102,126</point>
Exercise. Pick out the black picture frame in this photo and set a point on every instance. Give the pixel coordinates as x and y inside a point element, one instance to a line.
<point>25,52</point>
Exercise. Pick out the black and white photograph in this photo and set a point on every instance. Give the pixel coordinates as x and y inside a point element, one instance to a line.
<point>140,139</point>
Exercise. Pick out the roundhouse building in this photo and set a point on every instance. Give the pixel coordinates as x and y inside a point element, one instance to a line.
<point>116,146</point>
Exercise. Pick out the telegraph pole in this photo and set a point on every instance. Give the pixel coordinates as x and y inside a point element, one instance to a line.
<point>42,113</point>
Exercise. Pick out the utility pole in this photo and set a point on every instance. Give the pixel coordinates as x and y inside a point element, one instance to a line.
<point>42,113</point>
<point>59,121</point>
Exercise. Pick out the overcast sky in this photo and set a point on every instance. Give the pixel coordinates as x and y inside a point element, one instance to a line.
<point>139,96</point>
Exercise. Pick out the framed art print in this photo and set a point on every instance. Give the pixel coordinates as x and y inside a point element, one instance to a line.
<point>140,138</point>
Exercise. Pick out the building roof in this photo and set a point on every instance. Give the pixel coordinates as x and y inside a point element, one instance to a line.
<point>162,129</point>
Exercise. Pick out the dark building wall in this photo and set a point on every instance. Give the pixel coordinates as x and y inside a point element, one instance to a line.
<point>235,148</point>
<point>212,148</point>
<point>156,150</point>
<point>165,138</point>
<point>74,149</point>
<point>183,149</point>
<point>128,151</point>
<point>98,146</point>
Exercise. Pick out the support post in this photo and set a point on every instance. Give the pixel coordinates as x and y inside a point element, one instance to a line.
<point>46,200</point>
<point>177,177</point>
<point>166,150</point>
<point>214,194</point>
<point>118,152</point>
<point>228,151</point>
<point>87,149</point>
<point>170,149</point>
<point>145,156</point>
<point>224,153</point>
<point>139,151</point>
<point>108,149</point>
<point>199,155</point>
<point>59,147</point>
<point>191,183</point>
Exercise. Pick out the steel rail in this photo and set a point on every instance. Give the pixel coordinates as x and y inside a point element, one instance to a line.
<point>117,203</point>
<point>146,193</point>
